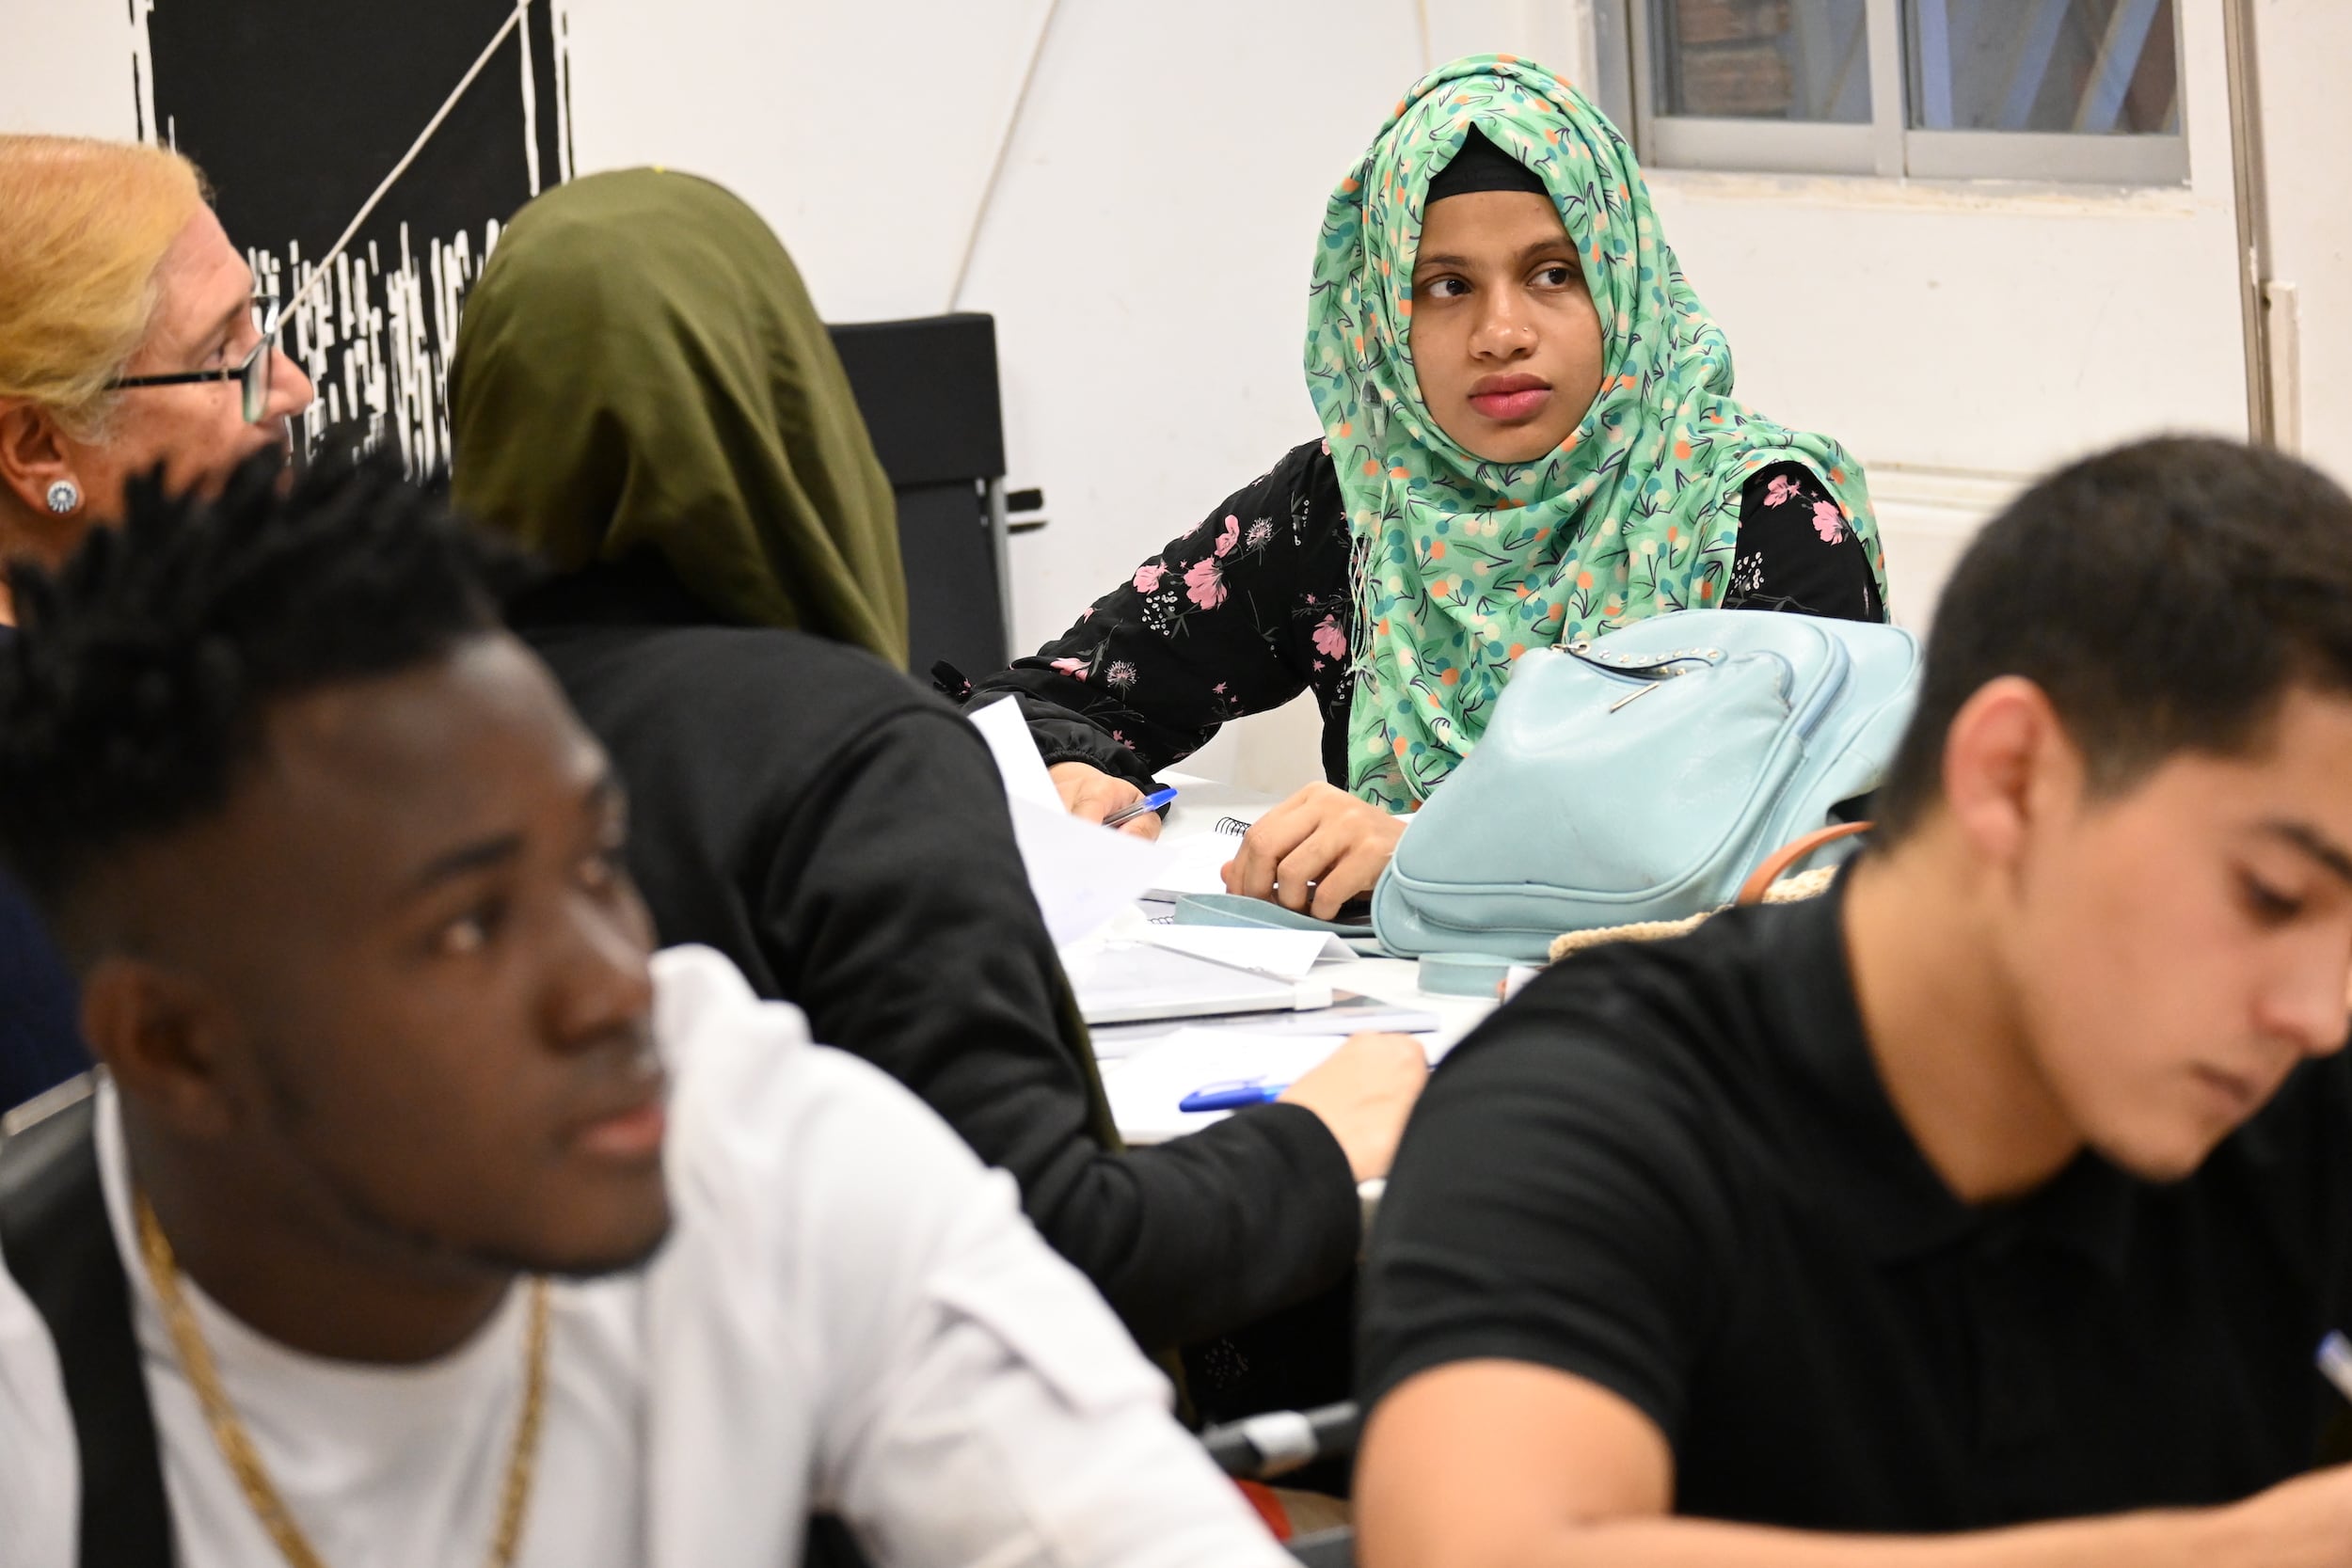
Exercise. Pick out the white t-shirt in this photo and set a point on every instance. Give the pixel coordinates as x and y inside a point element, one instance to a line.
<point>851,1314</point>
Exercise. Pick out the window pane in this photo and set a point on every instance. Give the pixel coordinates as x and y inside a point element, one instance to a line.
<point>2099,67</point>
<point>1763,59</point>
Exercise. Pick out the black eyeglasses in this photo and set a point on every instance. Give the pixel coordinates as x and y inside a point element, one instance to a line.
<point>252,372</point>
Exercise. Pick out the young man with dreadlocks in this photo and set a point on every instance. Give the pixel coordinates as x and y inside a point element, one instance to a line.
<point>422,1212</point>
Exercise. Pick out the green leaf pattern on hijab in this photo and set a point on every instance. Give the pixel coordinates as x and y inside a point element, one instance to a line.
<point>1464,564</point>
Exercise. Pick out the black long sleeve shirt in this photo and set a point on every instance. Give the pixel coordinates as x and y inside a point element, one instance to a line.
<point>843,837</point>
<point>1151,668</point>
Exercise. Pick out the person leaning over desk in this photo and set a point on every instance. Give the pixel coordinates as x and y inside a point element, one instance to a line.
<point>642,391</point>
<point>130,336</point>
<point>444,1221</point>
<point>1988,1209</point>
<point>1529,437</point>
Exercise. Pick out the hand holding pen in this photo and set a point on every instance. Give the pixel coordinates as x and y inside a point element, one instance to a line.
<point>1153,802</point>
<point>1092,795</point>
<point>1362,1092</point>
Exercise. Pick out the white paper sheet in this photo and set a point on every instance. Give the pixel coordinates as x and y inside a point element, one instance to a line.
<point>1193,865</point>
<point>1081,873</point>
<point>1145,1088</point>
<point>1288,954</point>
<point>1017,763</point>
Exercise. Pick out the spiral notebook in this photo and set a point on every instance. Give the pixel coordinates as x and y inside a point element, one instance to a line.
<point>1196,864</point>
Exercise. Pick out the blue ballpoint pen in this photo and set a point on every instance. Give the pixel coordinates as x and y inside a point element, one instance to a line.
<point>1231,1096</point>
<point>1153,802</point>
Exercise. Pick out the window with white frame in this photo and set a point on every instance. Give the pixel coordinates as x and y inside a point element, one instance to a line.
<point>2012,89</point>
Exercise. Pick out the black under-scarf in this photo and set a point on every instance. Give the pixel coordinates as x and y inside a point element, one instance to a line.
<point>1480,165</point>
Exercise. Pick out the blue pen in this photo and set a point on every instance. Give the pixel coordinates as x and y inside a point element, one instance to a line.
<point>1153,802</point>
<point>1231,1095</point>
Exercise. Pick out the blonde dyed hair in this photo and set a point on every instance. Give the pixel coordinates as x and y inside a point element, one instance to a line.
<point>86,224</point>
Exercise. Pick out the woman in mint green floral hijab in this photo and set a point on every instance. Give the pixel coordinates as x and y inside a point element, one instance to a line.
<point>1471,562</point>
<point>1529,437</point>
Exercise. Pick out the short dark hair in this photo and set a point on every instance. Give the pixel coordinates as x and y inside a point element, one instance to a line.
<point>137,685</point>
<point>2165,595</point>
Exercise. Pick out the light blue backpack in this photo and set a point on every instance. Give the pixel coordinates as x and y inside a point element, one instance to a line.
<point>1643,775</point>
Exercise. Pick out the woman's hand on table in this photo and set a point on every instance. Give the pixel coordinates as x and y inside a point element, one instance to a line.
<point>1363,1092</point>
<point>1090,794</point>
<point>1314,852</point>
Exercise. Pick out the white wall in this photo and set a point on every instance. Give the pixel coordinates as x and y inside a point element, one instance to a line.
<point>2304,46</point>
<point>66,67</point>
<point>1963,336</point>
<point>1991,331</point>
<point>868,146</point>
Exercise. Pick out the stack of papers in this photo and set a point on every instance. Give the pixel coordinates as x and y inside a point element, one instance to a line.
<point>1349,1014</point>
<point>1133,970</point>
<point>1087,877</point>
<point>1120,982</point>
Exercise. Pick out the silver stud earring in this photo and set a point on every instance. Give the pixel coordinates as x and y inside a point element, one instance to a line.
<point>64,497</point>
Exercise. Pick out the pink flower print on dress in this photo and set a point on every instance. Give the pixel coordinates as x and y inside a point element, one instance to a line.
<point>1329,640</point>
<point>1218,689</point>
<point>1225,540</point>
<point>1075,668</point>
<point>1782,488</point>
<point>1121,674</point>
<point>1828,522</point>
<point>1205,582</point>
<point>1148,576</point>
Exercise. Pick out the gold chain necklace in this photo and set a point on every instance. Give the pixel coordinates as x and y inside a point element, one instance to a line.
<point>237,1448</point>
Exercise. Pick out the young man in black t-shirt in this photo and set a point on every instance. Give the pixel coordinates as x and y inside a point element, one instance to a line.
<point>1986,1211</point>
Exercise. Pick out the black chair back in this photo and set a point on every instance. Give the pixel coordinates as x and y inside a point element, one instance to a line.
<point>928,391</point>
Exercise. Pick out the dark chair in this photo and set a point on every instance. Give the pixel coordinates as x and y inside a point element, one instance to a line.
<point>1260,1447</point>
<point>40,1026</point>
<point>1325,1549</point>
<point>928,391</point>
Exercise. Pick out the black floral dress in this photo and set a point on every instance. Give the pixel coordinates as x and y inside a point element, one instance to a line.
<point>1253,606</point>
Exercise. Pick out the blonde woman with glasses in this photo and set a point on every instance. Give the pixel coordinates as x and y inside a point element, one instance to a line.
<point>130,336</point>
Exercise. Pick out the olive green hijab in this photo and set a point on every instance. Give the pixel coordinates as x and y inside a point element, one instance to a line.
<point>638,367</point>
